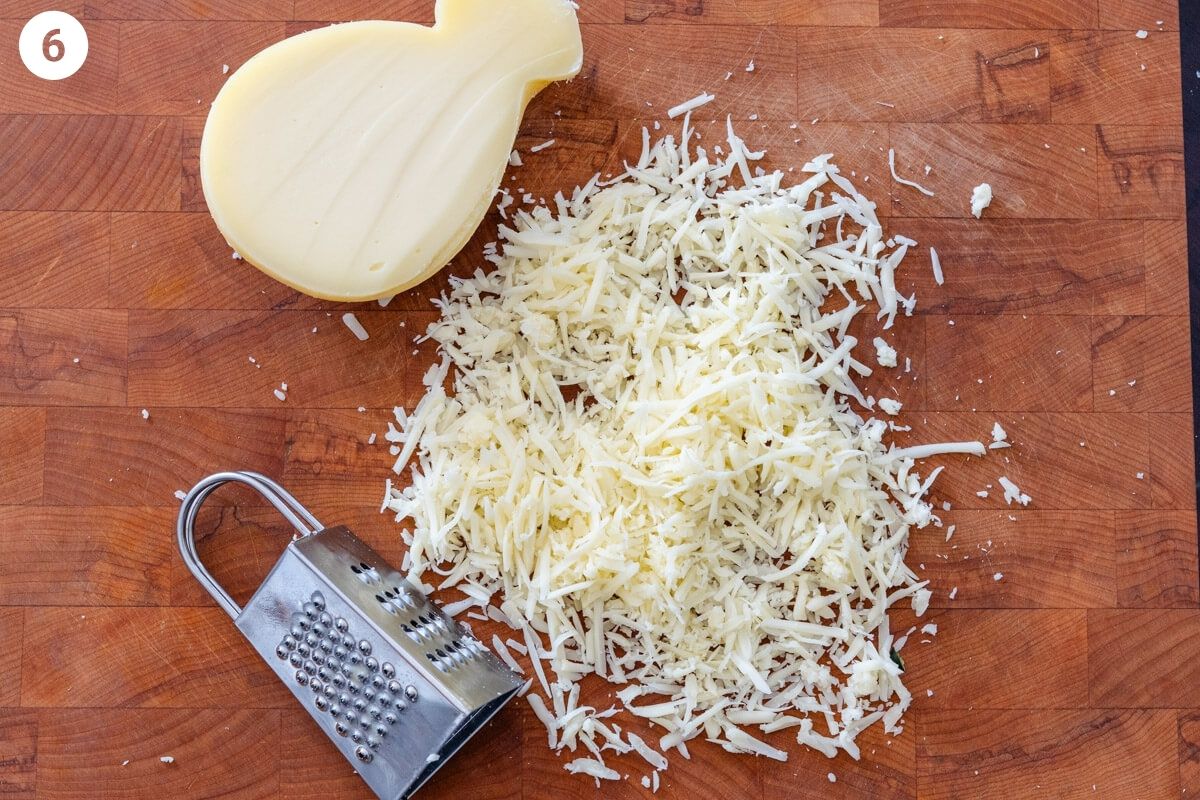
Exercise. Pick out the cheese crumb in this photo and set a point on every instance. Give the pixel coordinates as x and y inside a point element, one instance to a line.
<point>1142,34</point>
<point>537,148</point>
<point>937,266</point>
<point>832,777</point>
<point>885,354</point>
<point>981,198</point>
<point>1011,492</point>
<point>890,406</point>
<point>999,437</point>
<point>167,759</point>
<point>998,576</point>
<point>145,413</point>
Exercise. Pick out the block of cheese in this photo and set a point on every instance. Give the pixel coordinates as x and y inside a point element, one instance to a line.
<point>353,161</point>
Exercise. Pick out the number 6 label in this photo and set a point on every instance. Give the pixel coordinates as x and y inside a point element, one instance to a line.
<point>53,45</point>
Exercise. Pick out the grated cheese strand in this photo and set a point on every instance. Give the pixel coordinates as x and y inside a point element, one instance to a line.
<point>904,181</point>
<point>701,99</point>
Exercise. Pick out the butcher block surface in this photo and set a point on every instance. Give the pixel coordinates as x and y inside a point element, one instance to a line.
<point>1066,666</point>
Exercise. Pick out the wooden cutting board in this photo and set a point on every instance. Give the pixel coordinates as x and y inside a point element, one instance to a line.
<point>1063,316</point>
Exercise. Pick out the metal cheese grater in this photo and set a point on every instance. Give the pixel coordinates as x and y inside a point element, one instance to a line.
<point>397,684</point>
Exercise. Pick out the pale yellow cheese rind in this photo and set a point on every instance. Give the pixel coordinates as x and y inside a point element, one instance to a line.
<point>353,161</point>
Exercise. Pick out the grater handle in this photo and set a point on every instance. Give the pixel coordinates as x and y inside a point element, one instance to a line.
<point>287,505</point>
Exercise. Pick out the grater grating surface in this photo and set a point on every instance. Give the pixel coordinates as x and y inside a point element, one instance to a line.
<point>395,683</point>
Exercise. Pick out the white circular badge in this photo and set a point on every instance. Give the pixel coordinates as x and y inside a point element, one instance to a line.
<point>53,45</point>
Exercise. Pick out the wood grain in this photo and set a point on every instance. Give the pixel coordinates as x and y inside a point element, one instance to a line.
<point>1140,364</point>
<point>1148,15</point>
<point>1048,559</point>
<point>149,84</point>
<point>886,769</point>
<point>117,753</point>
<point>1057,374</point>
<point>158,9</point>
<point>821,13</point>
<point>1156,560</point>
<point>22,440</point>
<point>1066,461</point>
<point>1028,178</point>
<point>191,191</point>
<point>205,360</point>
<point>54,260</point>
<point>89,163</point>
<point>59,357</point>
<point>1130,663</point>
<point>970,664</point>
<point>715,774</point>
<point>187,658</point>
<point>181,261</point>
<point>1003,266</point>
<point>1140,172</point>
<point>983,14</point>
<point>682,56</point>
<point>138,462</point>
<point>968,76</point>
<point>1166,267</point>
<point>1189,754</point>
<point>18,753</point>
<point>1172,471</point>
<point>1073,676</point>
<point>12,626</point>
<point>1115,77</point>
<point>1057,753</point>
<point>52,556</point>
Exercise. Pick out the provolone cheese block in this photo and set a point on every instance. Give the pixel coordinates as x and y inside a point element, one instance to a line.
<point>351,162</point>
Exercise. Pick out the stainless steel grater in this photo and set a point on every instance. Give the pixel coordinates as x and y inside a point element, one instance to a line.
<point>395,683</point>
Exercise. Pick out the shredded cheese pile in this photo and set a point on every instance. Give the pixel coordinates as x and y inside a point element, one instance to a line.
<point>644,449</point>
